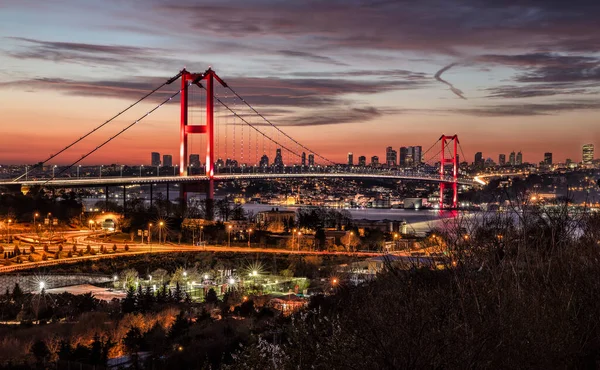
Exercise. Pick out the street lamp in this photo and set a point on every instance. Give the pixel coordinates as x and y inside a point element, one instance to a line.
<point>149,235</point>
<point>229,236</point>
<point>249,232</point>
<point>101,170</point>
<point>35,216</point>
<point>78,167</point>
<point>141,167</point>
<point>160,226</point>
<point>298,239</point>
<point>121,170</point>
<point>26,172</point>
<point>91,222</point>
<point>53,168</point>
<point>9,222</point>
<point>158,170</point>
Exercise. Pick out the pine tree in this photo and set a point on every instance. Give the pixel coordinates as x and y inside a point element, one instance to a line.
<point>179,327</point>
<point>17,292</point>
<point>128,304</point>
<point>178,294</point>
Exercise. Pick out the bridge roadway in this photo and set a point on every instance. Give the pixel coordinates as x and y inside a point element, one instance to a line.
<point>107,181</point>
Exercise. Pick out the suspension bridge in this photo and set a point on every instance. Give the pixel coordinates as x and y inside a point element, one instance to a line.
<point>237,141</point>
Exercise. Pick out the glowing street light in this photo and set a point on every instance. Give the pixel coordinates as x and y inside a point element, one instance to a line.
<point>42,285</point>
<point>160,224</point>
<point>249,233</point>
<point>231,281</point>
<point>53,168</point>
<point>229,236</point>
<point>298,239</point>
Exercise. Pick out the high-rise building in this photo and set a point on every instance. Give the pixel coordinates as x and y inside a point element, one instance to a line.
<point>311,160</point>
<point>155,159</point>
<point>511,159</point>
<point>278,158</point>
<point>374,160</point>
<point>195,160</point>
<point>548,158</point>
<point>587,153</point>
<point>167,160</point>
<point>390,156</point>
<point>410,151</point>
<point>478,162</point>
<point>403,154</point>
<point>417,150</point>
<point>362,161</point>
<point>519,160</point>
<point>264,161</point>
<point>350,159</point>
<point>502,159</point>
<point>303,159</point>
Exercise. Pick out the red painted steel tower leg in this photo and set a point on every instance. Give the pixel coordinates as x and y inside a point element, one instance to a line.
<point>443,162</point>
<point>183,149</point>
<point>455,174</point>
<point>210,162</point>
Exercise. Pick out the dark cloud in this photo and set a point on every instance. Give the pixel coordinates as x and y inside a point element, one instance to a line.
<point>93,54</point>
<point>334,117</point>
<point>512,92</point>
<point>528,109</point>
<point>310,56</point>
<point>441,26</point>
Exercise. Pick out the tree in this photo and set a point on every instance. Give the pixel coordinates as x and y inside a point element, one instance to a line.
<point>128,304</point>
<point>211,297</point>
<point>133,341</point>
<point>17,292</point>
<point>350,241</point>
<point>177,294</point>
<point>40,351</point>
<point>65,350</point>
<point>180,326</point>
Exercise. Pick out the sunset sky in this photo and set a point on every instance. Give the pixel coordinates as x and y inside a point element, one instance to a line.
<point>340,76</point>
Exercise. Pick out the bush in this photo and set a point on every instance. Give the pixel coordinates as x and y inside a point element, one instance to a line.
<point>60,247</point>
<point>126,248</point>
<point>89,248</point>
<point>44,257</point>
<point>80,253</point>
<point>57,255</point>
<point>46,248</point>
<point>30,258</point>
<point>75,248</point>
<point>32,249</point>
<point>1,249</point>
<point>93,252</point>
<point>114,247</point>
<point>17,251</point>
<point>19,259</point>
<point>70,254</point>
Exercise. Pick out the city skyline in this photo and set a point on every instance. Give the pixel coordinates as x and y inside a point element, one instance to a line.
<point>500,87</point>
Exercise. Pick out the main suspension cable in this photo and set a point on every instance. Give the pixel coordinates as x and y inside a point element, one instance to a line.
<point>40,164</point>
<point>116,135</point>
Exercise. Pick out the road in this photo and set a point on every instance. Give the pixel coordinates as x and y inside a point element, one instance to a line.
<point>138,249</point>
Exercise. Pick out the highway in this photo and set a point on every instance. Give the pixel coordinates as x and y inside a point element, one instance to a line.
<point>138,249</point>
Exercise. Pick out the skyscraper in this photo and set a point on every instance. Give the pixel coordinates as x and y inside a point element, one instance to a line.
<point>478,162</point>
<point>264,161</point>
<point>278,158</point>
<point>362,161</point>
<point>417,150</point>
<point>511,159</point>
<point>519,160</point>
<point>548,158</point>
<point>155,159</point>
<point>374,160</point>
<point>350,159</point>
<point>410,151</point>
<point>303,159</point>
<point>403,154</point>
<point>390,156</point>
<point>587,153</point>
<point>167,160</point>
<point>311,160</point>
<point>195,160</point>
<point>502,159</point>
